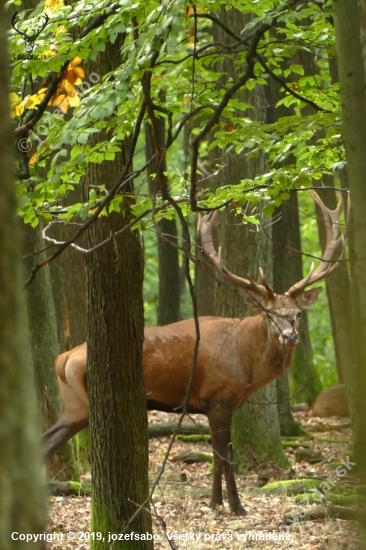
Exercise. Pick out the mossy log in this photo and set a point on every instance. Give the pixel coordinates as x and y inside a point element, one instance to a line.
<point>340,500</point>
<point>194,438</point>
<point>321,512</point>
<point>309,455</point>
<point>329,440</point>
<point>69,488</point>
<point>327,427</point>
<point>293,444</point>
<point>360,490</point>
<point>291,486</point>
<point>335,464</point>
<point>193,457</point>
<point>164,430</point>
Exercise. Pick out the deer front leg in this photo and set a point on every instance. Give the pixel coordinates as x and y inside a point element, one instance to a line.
<point>219,418</point>
<point>216,498</point>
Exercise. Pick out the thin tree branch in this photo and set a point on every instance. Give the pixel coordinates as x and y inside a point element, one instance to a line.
<point>288,89</point>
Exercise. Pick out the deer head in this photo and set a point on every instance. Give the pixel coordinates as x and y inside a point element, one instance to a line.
<point>282,311</point>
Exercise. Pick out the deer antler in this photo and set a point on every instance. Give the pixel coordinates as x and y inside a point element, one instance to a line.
<point>204,235</point>
<point>333,240</point>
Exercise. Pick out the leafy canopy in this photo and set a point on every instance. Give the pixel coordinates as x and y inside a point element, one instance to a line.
<point>169,69</point>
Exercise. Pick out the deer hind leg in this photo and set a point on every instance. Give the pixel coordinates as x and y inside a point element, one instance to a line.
<point>219,418</point>
<point>74,418</point>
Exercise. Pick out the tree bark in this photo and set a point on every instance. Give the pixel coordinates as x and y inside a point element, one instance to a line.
<point>22,495</point>
<point>255,426</point>
<point>74,312</point>
<point>338,285</point>
<point>45,348</point>
<point>339,294</point>
<point>118,418</point>
<point>169,273</point>
<point>287,269</point>
<point>57,283</point>
<point>350,29</point>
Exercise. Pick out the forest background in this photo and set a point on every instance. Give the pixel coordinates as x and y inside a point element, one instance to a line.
<point>149,113</point>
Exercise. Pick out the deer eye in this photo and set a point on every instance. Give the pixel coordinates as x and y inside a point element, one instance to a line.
<point>299,313</point>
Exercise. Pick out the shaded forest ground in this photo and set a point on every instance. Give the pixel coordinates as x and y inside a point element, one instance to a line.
<point>182,497</point>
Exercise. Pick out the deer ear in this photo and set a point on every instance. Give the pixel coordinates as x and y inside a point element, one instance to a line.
<point>308,298</point>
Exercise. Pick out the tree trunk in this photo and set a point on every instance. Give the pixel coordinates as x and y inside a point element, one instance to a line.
<point>287,269</point>
<point>338,285</point>
<point>22,495</point>
<point>57,284</point>
<point>339,294</point>
<point>75,296</point>
<point>169,273</point>
<point>255,426</point>
<point>45,348</point>
<point>350,38</point>
<point>204,280</point>
<point>74,310</point>
<point>118,418</point>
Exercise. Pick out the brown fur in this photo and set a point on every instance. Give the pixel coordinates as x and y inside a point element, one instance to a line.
<point>236,357</point>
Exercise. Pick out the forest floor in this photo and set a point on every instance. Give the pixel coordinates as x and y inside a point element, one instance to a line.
<point>180,502</point>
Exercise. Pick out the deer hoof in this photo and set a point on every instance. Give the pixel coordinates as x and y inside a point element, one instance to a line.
<point>240,511</point>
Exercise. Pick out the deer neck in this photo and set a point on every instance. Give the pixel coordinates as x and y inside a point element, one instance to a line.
<point>265,357</point>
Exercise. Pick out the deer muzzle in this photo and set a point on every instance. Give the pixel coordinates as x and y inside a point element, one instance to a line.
<point>289,337</point>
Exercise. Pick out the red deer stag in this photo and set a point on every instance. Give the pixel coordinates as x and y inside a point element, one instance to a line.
<point>236,357</point>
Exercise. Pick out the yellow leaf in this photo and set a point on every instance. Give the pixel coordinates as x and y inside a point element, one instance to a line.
<point>76,61</point>
<point>14,100</point>
<point>73,100</point>
<point>48,53</point>
<point>33,159</point>
<point>71,77</point>
<point>18,110</point>
<point>69,88</point>
<point>50,6</point>
<point>30,102</point>
<point>79,72</point>
<point>60,101</point>
<point>61,29</point>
